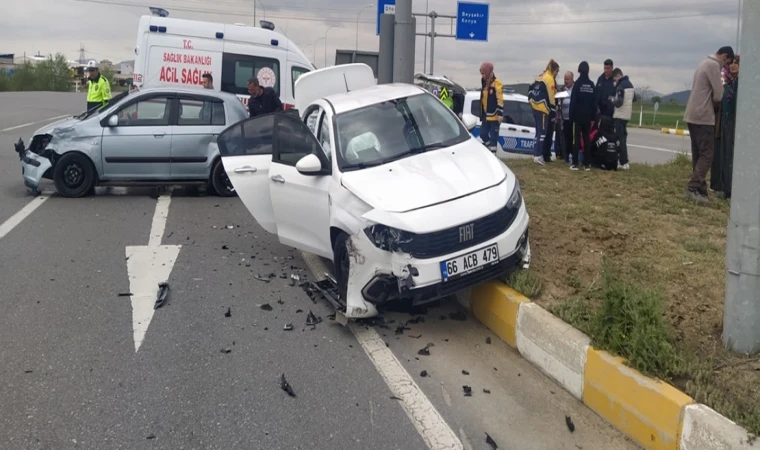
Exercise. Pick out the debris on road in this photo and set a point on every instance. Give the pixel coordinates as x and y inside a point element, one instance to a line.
<point>312,320</point>
<point>425,351</point>
<point>150,436</point>
<point>266,307</point>
<point>294,279</point>
<point>393,397</point>
<point>467,391</point>
<point>416,320</point>
<point>488,340</point>
<point>459,315</point>
<point>163,294</point>
<point>288,327</point>
<point>299,311</point>
<point>491,442</point>
<point>486,391</point>
<point>464,372</point>
<point>416,337</point>
<point>224,247</point>
<point>228,313</point>
<point>424,373</point>
<point>226,350</point>
<point>124,294</point>
<point>285,386</point>
<point>570,424</point>
<point>400,329</point>
<point>260,278</point>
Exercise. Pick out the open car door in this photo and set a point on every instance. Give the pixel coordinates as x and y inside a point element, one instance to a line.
<point>246,149</point>
<point>312,86</point>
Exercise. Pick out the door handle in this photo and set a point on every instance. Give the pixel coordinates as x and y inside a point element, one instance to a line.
<point>525,131</point>
<point>159,136</point>
<point>246,169</point>
<point>277,178</point>
<point>512,129</point>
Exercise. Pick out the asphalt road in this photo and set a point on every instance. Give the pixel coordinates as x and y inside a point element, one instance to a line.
<point>70,377</point>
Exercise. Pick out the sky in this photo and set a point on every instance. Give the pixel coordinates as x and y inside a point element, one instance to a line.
<point>656,43</point>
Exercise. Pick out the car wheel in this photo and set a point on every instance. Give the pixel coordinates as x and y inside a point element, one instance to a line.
<point>342,264</point>
<point>74,175</point>
<point>220,182</point>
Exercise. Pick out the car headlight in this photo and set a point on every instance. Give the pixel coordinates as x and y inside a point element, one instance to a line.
<point>387,238</point>
<point>516,199</point>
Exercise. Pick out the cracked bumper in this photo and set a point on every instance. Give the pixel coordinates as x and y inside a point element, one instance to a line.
<point>33,168</point>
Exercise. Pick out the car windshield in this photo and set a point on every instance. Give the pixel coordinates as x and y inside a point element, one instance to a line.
<point>113,101</point>
<point>391,130</point>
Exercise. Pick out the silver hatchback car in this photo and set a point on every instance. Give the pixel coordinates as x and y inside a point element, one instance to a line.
<point>152,136</point>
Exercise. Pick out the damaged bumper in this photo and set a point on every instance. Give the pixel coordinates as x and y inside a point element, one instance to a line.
<point>428,272</point>
<point>33,166</point>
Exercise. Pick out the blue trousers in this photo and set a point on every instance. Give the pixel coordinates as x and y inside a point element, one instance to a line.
<point>544,135</point>
<point>489,132</point>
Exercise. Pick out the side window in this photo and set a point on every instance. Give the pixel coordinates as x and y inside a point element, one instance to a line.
<point>150,112</point>
<point>194,112</point>
<point>296,72</point>
<point>250,137</point>
<point>324,137</point>
<point>217,114</point>
<point>512,114</point>
<point>527,115</point>
<point>311,120</point>
<point>238,69</point>
<point>293,140</point>
<point>475,108</point>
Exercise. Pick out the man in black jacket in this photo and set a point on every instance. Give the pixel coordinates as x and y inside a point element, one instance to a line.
<point>263,100</point>
<point>583,104</point>
<point>605,88</point>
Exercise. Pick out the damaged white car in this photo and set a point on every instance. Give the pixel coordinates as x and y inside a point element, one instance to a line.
<point>385,181</point>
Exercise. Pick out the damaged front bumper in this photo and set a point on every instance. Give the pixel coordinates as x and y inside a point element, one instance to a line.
<point>33,166</point>
<point>378,276</point>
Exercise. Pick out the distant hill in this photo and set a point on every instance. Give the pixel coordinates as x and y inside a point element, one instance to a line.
<point>680,97</point>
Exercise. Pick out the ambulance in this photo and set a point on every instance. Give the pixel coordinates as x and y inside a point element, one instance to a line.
<point>177,52</point>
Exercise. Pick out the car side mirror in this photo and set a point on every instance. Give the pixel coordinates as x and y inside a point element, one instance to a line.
<point>470,122</point>
<point>113,121</point>
<point>309,165</point>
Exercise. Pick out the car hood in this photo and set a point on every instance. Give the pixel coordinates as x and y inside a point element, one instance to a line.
<point>59,124</point>
<point>427,179</point>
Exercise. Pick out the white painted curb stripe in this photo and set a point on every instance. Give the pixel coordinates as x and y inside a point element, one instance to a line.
<point>426,419</point>
<point>34,123</point>
<point>705,429</point>
<point>22,214</point>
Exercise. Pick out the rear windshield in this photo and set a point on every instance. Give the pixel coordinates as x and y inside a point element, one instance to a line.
<point>238,69</point>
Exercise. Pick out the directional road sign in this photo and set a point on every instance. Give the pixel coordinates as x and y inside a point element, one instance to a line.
<point>472,21</point>
<point>384,7</point>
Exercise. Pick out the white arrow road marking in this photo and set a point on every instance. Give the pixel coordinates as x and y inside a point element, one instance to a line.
<point>147,266</point>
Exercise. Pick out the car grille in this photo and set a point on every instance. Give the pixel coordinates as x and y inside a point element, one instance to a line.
<point>447,241</point>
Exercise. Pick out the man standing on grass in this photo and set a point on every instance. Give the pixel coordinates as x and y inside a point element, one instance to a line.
<point>605,88</point>
<point>567,124</point>
<point>623,102</point>
<point>706,94</point>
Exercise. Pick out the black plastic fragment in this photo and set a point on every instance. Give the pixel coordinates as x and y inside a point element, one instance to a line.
<point>150,436</point>
<point>299,311</point>
<point>163,294</point>
<point>467,391</point>
<point>459,315</point>
<point>488,340</point>
<point>266,307</point>
<point>124,294</point>
<point>312,320</point>
<point>285,386</point>
<point>570,424</point>
<point>228,313</point>
<point>424,373</point>
<point>260,278</point>
<point>226,350</point>
<point>416,320</point>
<point>486,391</point>
<point>425,351</point>
<point>491,442</point>
<point>464,372</point>
<point>416,337</point>
<point>224,247</point>
<point>400,329</point>
<point>393,397</point>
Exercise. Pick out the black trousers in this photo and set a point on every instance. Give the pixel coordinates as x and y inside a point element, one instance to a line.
<point>582,131</point>
<point>567,135</point>
<point>702,152</point>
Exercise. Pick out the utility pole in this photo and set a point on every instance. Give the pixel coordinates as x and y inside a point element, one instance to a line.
<point>432,34</point>
<point>741,314</point>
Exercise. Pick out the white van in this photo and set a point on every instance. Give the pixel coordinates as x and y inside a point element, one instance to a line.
<point>177,52</point>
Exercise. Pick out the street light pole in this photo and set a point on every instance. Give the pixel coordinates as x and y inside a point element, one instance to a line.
<point>357,24</point>
<point>424,57</point>
<point>328,30</point>
<point>314,53</point>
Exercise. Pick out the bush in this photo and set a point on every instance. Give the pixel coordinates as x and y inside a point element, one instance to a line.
<point>52,74</point>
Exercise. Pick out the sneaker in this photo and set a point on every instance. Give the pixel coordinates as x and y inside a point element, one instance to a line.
<point>574,167</point>
<point>539,160</point>
<point>588,169</point>
<point>624,166</point>
<point>492,148</point>
<point>554,157</point>
<point>695,196</point>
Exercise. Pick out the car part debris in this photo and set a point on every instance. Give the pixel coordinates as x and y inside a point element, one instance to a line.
<point>467,391</point>
<point>491,442</point>
<point>488,340</point>
<point>464,372</point>
<point>163,294</point>
<point>424,373</point>
<point>341,318</point>
<point>288,327</point>
<point>228,313</point>
<point>294,279</point>
<point>326,289</point>
<point>400,329</point>
<point>312,320</point>
<point>285,386</point>
<point>260,278</point>
<point>224,247</point>
<point>393,397</point>
<point>459,315</point>
<point>425,351</point>
<point>124,294</point>
<point>226,350</point>
<point>266,307</point>
<point>486,391</point>
<point>150,436</point>
<point>416,320</point>
<point>280,302</point>
<point>416,337</point>
<point>570,424</point>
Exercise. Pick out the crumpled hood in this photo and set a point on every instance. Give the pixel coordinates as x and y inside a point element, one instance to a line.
<point>427,179</point>
<point>63,123</point>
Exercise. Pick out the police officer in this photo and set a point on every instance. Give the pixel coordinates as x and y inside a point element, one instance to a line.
<point>99,90</point>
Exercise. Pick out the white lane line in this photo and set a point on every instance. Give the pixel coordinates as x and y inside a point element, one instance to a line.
<point>158,225</point>
<point>658,149</point>
<point>22,214</point>
<point>426,419</point>
<point>33,123</point>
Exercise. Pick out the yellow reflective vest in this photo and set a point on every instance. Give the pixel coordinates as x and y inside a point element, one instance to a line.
<point>99,90</point>
<point>446,98</point>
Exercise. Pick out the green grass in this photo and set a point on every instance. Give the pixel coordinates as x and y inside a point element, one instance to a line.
<point>526,282</point>
<point>668,116</point>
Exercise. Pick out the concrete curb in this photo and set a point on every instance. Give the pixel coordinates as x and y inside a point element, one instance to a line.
<point>654,414</point>
<point>676,132</point>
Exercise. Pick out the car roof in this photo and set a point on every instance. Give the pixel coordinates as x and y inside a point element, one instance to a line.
<point>348,101</point>
<point>507,96</point>
<point>190,91</point>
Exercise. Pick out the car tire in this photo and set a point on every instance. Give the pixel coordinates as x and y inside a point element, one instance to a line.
<point>220,182</point>
<point>342,264</point>
<point>74,175</point>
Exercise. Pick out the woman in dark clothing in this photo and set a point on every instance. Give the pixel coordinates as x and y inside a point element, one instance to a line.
<point>723,162</point>
<point>582,112</point>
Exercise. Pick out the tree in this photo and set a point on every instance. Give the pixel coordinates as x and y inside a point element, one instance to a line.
<point>52,74</point>
<point>24,78</point>
<point>5,81</point>
<point>656,99</point>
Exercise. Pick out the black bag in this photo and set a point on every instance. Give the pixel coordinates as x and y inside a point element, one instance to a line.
<point>608,152</point>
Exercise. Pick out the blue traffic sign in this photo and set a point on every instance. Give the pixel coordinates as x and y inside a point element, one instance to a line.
<point>384,7</point>
<point>472,21</point>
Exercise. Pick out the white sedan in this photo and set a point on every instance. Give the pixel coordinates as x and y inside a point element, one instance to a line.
<point>385,181</point>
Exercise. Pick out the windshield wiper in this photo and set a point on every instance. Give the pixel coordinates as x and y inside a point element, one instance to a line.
<point>425,148</point>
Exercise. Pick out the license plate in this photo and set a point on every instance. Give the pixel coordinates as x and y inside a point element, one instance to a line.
<point>470,262</point>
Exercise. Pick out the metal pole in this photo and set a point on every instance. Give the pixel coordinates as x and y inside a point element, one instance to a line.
<point>254,13</point>
<point>328,30</point>
<point>424,57</point>
<point>404,43</point>
<point>433,15</point>
<point>357,24</point>
<point>314,52</point>
<point>741,314</point>
<point>385,59</point>
<point>739,24</point>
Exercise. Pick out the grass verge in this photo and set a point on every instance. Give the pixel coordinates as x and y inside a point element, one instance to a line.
<point>626,259</point>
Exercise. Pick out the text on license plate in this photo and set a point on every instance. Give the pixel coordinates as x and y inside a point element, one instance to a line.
<point>470,262</point>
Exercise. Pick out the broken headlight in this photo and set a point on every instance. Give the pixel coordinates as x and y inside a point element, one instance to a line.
<point>516,199</point>
<point>387,238</point>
